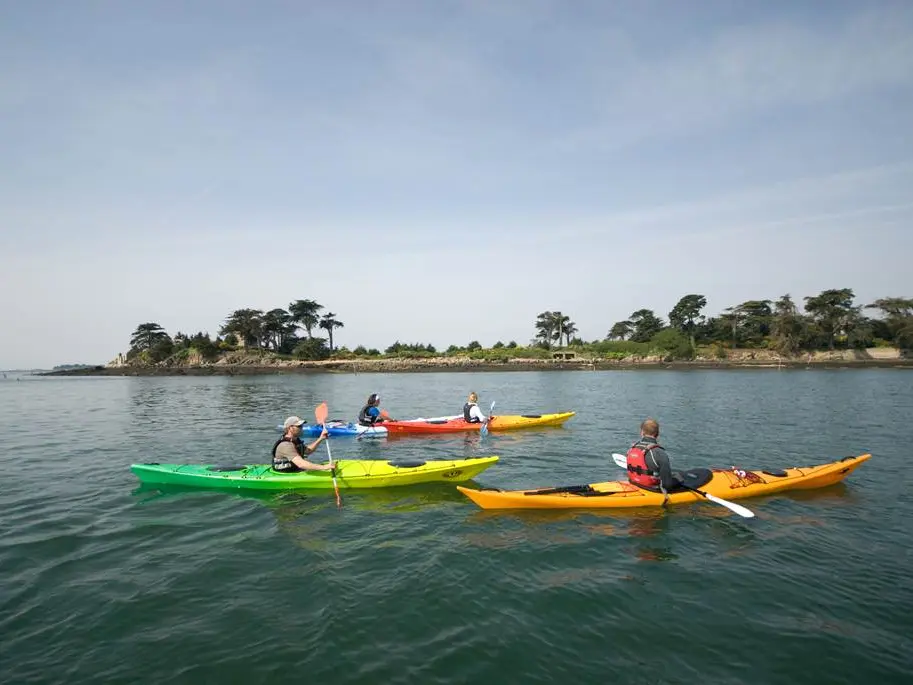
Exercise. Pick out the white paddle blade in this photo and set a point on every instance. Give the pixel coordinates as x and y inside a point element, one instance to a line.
<point>732,506</point>
<point>620,459</point>
<point>484,428</point>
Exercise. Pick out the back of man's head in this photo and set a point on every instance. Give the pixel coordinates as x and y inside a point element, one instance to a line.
<point>650,427</point>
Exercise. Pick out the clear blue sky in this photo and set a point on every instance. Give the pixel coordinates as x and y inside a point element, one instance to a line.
<point>442,171</point>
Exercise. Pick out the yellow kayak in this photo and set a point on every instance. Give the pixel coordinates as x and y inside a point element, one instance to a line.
<point>723,483</point>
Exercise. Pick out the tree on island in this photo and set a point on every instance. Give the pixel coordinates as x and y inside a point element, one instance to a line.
<point>620,330</point>
<point>553,327</point>
<point>312,349</point>
<point>278,330</point>
<point>686,315</point>
<point>834,314</point>
<point>897,324</point>
<point>789,329</point>
<point>545,328</point>
<point>148,335</point>
<point>304,313</point>
<point>646,324</point>
<point>566,327</point>
<point>329,323</point>
<point>247,325</point>
<point>150,342</point>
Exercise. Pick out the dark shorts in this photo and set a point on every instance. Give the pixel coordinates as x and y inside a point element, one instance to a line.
<point>285,467</point>
<point>694,478</point>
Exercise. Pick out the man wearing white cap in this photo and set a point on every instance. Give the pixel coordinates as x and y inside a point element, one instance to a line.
<point>289,452</point>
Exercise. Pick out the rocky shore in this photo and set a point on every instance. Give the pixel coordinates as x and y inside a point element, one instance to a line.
<point>253,364</point>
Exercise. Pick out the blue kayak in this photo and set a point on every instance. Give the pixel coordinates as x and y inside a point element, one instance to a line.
<point>339,428</point>
<point>342,428</point>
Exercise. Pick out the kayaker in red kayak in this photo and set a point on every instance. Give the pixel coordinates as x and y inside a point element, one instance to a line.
<point>648,463</point>
<point>289,452</point>
<point>371,413</point>
<point>471,411</point>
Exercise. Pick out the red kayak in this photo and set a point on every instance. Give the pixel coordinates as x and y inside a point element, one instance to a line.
<point>459,425</point>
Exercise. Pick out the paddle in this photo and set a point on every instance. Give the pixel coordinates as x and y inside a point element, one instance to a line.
<point>484,429</point>
<point>320,414</point>
<point>622,461</point>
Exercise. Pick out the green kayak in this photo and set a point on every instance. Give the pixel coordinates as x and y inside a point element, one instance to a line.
<point>350,473</point>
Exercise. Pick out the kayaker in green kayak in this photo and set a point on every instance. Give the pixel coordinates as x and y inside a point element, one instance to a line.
<point>289,451</point>
<point>648,463</point>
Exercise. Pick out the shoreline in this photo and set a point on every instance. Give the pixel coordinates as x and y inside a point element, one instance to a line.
<point>467,365</point>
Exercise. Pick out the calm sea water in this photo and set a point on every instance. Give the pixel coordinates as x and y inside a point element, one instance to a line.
<point>104,581</point>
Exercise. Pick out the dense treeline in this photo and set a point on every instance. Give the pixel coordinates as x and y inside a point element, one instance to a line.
<point>830,320</point>
<point>275,330</point>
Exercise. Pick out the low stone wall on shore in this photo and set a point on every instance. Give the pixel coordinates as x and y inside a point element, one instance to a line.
<point>247,364</point>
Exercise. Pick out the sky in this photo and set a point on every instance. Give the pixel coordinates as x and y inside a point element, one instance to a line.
<point>441,172</point>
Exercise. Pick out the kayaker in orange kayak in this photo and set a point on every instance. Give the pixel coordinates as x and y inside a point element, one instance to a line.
<point>648,463</point>
<point>289,451</point>
<point>371,413</point>
<point>471,411</point>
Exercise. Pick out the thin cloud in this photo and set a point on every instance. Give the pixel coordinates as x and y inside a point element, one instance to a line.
<point>172,163</point>
<point>749,71</point>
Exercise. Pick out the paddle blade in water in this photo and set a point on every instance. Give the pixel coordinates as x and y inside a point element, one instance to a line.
<point>484,429</point>
<point>732,506</point>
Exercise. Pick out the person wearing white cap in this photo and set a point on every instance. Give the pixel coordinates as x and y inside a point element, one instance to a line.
<point>289,452</point>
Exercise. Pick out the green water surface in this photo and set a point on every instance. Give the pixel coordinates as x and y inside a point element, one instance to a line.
<point>107,581</point>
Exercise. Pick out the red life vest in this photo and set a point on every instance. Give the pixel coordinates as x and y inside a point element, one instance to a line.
<point>638,472</point>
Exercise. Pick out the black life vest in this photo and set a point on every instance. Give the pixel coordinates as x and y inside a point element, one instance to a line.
<point>638,471</point>
<point>365,419</point>
<point>466,415</point>
<point>283,464</point>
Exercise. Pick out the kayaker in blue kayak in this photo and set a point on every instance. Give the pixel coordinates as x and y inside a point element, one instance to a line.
<point>471,411</point>
<point>289,451</point>
<point>648,463</point>
<point>371,413</point>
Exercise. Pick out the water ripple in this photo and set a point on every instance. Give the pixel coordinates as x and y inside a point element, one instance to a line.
<point>107,581</point>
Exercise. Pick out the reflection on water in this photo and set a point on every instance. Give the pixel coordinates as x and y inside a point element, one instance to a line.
<point>648,528</point>
<point>834,495</point>
<point>380,500</point>
<point>310,518</point>
<point>500,437</point>
<point>169,583</point>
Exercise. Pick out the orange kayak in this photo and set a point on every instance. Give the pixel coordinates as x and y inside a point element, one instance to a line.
<point>459,425</point>
<point>724,483</point>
